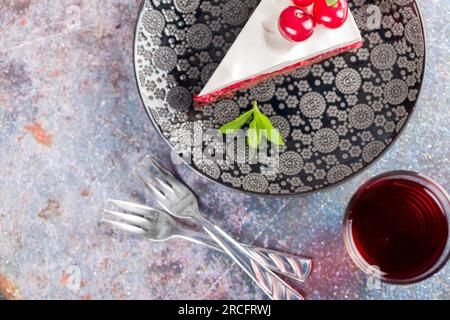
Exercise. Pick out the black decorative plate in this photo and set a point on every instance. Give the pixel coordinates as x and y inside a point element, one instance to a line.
<point>336,116</point>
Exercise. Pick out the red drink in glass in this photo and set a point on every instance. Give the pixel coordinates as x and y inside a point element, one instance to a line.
<point>396,226</point>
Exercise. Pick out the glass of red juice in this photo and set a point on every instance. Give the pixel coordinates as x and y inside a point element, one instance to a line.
<point>396,227</point>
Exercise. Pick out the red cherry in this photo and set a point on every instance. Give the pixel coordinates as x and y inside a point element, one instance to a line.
<point>330,16</point>
<point>295,24</point>
<point>303,3</point>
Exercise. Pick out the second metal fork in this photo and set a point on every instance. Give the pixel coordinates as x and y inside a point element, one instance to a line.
<point>159,225</point>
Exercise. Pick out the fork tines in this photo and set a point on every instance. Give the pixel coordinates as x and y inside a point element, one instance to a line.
<point>138,219</point>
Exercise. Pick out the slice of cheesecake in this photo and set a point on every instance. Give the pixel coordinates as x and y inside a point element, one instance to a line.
<point>261,52</point>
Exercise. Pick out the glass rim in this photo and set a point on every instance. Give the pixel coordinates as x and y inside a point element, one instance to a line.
<point>441,196</point>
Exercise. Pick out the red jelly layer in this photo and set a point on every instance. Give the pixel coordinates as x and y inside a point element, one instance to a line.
<point>228,91</point>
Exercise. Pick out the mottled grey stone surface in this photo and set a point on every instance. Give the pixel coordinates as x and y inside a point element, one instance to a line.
<point>72,128</point>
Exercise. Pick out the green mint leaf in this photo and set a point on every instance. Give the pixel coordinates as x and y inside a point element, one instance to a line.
<point>235,125</point>
<point>264,121</point>
<point>332,3</point>
<point>259,126</point>
<point>254,135</point>
<point>267,128</point>
<point>274,136</point>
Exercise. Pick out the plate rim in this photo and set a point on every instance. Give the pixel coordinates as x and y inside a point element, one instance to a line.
<point>293,194</point>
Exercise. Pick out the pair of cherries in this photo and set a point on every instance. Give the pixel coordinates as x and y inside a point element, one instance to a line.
<point>297,22</point>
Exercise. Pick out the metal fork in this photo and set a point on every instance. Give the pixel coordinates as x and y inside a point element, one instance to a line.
<point>159,226</point>
<point>176,198</point>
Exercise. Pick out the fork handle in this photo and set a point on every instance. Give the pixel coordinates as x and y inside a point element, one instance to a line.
<point>275,287</point>
<point>288,265</point>
<point>291,266</point>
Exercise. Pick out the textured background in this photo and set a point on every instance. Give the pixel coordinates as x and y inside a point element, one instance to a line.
<point>72,128</point>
